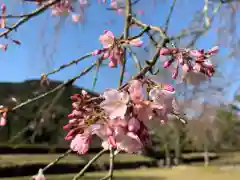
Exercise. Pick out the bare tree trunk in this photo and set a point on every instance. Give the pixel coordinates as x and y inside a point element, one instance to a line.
<point>167,155</point>
<point>205,146</point>
<point>177,150</point>
<point>177,147</point>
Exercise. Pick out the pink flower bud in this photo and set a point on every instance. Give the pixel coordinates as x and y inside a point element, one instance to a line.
<point>168,51</point>
<point>3,7</point>
<point>168,87</point>
<point>96,52</point>
<point>168,63</point>
<point>197,53</point>
<point>175,73</point>
<point>70,135</point>
<point>75,97</point>
<point>16,42</point>
<point>66,127</point>
<point>213,50</point>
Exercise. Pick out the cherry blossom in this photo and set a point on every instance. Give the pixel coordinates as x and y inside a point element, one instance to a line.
<point>163,101</point>
<point>112,48</point>
<point>193,61</point>
<point>3,119</point>
<point>107,39</point>
<point>80,143</point>
<point>121,118</point>
<point>115,103</point>
<point>136,91</point>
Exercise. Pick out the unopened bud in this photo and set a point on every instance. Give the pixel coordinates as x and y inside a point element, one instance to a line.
<point>168,63</point>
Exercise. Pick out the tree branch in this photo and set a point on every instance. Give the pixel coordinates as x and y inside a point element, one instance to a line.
<point>28,17</point>
<point>81,173</point>
<point>127,21</point>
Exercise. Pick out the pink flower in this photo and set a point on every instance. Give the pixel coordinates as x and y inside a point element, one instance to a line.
<point>121,134</point>
<point>143,111</point>
<point>115,103</point>
<point>133,125</point>
<point>136,91</point>
<point>162,96</point>
<point>163,100</point>
<point>129,142</point>
<point>3,119</point>
<point>39,176</point>
<point>80,143</point>
<point>115,57</point>
<point>107,39</point>
<point>168,51</point>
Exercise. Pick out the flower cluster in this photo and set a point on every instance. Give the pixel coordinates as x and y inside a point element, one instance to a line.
<point>122,117</point>
<point>196,61</point>
<point>64,8</point>
<point>112,48</point>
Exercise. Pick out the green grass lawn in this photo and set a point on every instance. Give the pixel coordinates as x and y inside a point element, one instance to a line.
<point>21,159</point>
<point>179,173</point>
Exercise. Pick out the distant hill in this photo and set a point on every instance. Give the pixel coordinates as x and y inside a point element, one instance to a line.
<point>51,110</point>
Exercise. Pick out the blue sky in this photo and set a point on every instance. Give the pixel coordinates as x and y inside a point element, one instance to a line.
<point>48,42</point>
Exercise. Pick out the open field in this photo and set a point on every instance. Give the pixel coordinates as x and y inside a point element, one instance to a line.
<point>180,173</point>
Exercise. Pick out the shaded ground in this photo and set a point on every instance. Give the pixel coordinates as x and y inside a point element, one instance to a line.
<point>22,159</point>
<point>180,173</point>
<point>25,164</point>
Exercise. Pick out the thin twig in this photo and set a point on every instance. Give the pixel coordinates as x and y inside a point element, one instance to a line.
<point>169,16</point>
<point>127,22</point>
<point>76,61</point>
<point>65,84</point>
<point>81,173</point>
<point>153,28</point>
<point>109,176</point>
<point>28,17</point>
<point>134,57</point>
<point>149,65</point>
<point>57,160</point>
